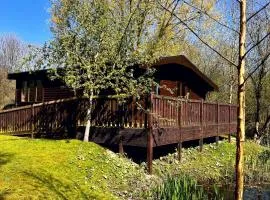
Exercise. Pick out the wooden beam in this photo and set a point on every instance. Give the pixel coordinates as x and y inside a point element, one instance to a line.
<point>202,119</point>
<point>120,146</point>
<point>217,140</point>
<point>179,148</point>
<point>150,137</point>
<point>201,144</point>
<point>32,121</point>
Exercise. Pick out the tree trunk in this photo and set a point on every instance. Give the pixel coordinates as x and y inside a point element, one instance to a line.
<point>239,165</point>
<point>258,109</point>
<point>89,118</point>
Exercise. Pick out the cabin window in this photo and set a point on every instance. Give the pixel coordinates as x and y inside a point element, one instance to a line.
<point>39,83</point>
<point>24,91</point>
<point>31,84</point>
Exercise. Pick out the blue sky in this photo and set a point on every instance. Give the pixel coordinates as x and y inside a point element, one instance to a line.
<point>27,19</point>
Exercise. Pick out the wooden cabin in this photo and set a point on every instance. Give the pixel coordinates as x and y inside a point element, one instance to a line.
<point>45,106</point>
<point>176,75</point>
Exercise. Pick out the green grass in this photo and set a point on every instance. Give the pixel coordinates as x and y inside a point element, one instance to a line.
<point>64,169</point>
<point>71,169</point>
<point>215,164</point>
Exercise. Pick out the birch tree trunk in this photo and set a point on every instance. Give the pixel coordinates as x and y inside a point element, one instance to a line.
<point>239,165</point>
<point>89,118</point>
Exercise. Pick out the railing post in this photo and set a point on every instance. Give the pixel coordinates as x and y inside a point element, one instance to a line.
<point>32,121</point>
<point>202,128</point>
<point>217,137</point>
<point>150,136</point>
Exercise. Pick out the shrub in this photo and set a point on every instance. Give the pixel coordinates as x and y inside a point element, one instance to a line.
<point>183,188</point>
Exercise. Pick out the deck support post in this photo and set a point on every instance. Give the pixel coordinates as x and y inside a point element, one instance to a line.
<point>230,138</point>
<point>120,146</point>
<point>217,140</point>
<point>179,148</point>
<point>149,152</point>
<point>201,144</point>
<point>180,144</point>
<point>149,135</point>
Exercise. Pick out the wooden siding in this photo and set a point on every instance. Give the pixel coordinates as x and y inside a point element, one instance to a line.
<point>173,120</point>
<point>36,95</point>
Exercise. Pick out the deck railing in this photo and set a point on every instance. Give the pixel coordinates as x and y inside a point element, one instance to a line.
<point>192,119</point>
<point>173,112</point>
<point>166,113</point>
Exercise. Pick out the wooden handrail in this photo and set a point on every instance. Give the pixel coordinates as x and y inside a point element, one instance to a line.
<point>165,113</point>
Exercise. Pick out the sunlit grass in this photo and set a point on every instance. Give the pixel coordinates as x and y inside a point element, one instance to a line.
<point>62,169</point>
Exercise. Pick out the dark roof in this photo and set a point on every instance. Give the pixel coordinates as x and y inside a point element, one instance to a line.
<point>184,61</point>
<point>17,75</point>
<point>179,60</point>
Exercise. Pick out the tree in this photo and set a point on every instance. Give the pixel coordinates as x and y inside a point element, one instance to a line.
<point>11,53</point>
<point>98,44</point>
<point>258,104</point>
<point>242,54</point>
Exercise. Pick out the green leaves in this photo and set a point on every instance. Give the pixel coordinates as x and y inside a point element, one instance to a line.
<point>100,43</point>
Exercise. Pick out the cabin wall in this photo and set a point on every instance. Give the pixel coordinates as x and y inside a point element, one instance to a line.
<point>175,80</point>
<point>34,89</point>
<point>178,88</point>
<point>181,81</point>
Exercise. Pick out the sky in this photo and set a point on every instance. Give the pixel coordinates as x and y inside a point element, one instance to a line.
<point>27,19</point>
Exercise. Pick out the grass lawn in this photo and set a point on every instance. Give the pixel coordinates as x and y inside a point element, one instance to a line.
<point>63,169</point>
<point>71,169</point>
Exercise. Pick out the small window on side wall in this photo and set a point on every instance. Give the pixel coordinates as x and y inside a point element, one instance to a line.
<point>24,91</point>
<point>39,83</point>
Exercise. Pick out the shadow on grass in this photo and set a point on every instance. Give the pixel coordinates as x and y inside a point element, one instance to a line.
<point>4,194</point>
<point>60,189</point>
<point>5,158</point>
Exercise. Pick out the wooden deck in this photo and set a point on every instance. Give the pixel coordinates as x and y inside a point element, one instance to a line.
<point>171,120</point>
<point>150,122</point>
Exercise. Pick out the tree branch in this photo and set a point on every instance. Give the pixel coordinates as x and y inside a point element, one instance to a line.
<point>254,14</point>
<point>262,62</point>
<point>197,36</point>
<point>268,34</point>
<point>204,12</point>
